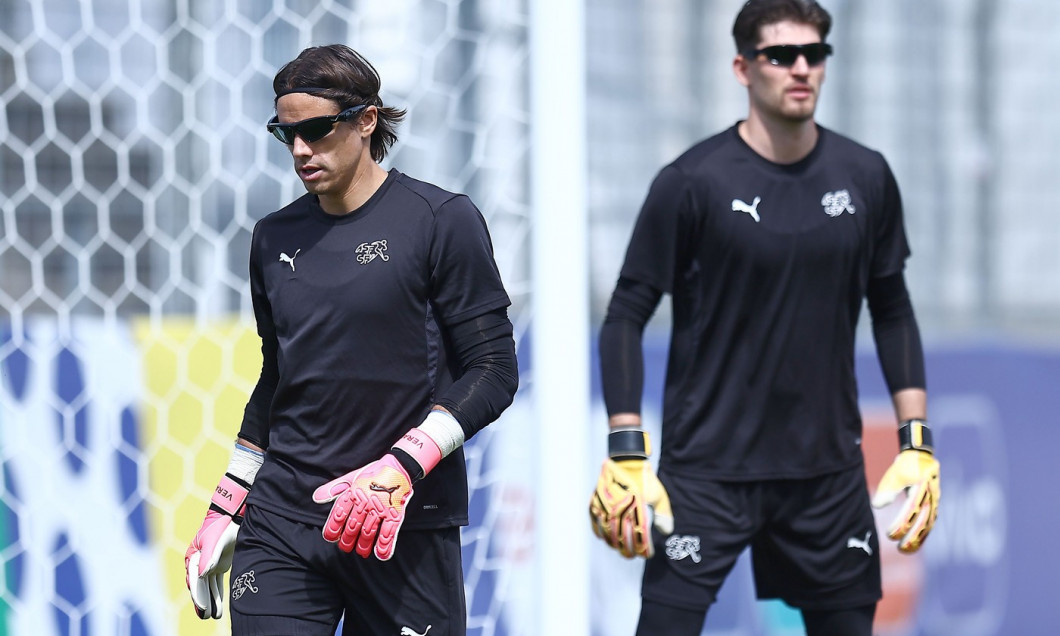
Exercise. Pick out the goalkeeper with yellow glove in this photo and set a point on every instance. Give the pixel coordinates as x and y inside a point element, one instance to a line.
<point>629,500</point>
<point>768,237</point>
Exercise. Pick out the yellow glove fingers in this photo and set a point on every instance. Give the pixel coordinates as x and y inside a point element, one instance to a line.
<point>890,486</point>
<point>627,493</point>
<point>662,513</point>
<point>609,528</point>
<point>609,513</point>
<point>916,474</point>
<point>919,525</point>
<point>916,495</point>
<point>618,539</point>
<point>597,516</point>
<point>918,531</point>
<point>637,534</point>
<point>624,541</point>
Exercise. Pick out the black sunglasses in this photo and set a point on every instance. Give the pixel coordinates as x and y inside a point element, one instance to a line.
<point>312,129</point>
<point>787,54</point>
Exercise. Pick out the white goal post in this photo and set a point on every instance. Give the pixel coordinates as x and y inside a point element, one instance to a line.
<point>134,163</point>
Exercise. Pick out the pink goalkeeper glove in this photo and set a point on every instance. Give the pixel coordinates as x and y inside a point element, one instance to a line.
<point>370,502</point>
<point>369,507</point>
<point>210,554</point>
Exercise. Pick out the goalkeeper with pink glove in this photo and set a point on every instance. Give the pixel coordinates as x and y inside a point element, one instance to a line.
<point>768,237</point>
<point>386,344</point>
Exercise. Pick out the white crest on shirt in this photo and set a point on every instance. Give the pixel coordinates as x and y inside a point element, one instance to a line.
<point>367,252</point>
<point>836,203</point>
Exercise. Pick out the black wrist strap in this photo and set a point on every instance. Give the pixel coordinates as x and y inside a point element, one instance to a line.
<point>915,435</point>
<point>411,466</point>
<point>628,443</point>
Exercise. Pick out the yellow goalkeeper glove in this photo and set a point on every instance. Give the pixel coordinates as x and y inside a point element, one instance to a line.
<point>916,472</point>
<point>629,499</point>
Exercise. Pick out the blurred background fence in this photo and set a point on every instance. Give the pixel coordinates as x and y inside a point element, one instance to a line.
<point>134,163</point>
<point>955,93</point>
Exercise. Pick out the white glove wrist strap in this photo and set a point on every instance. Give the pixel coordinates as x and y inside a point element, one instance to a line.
<point>438,435</point>
<point>444,430</point>
<point>245,463</point>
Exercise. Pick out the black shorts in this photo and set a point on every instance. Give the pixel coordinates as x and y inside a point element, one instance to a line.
<point>286,580</point>
<point>813,541</point>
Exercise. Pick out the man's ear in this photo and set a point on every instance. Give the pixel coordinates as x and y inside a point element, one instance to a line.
<point>368,120</point>
<point>739,69</point>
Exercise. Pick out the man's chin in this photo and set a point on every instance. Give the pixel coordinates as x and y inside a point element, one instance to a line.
<point>313,187</point>
<point>798,116</point>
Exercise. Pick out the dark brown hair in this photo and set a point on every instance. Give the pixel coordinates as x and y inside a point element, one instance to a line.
<point>339,73</point>
<point>755,14</point>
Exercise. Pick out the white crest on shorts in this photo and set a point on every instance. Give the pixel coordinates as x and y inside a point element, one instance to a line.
<point>366,252</point>
<point>408,631</point>
<point>836,203</point>
<point>861,544</point>
<point>681,546</point>
<point>242,584</point>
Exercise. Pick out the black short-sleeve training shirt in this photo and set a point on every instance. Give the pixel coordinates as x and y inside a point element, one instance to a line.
<point>767,266</point>
<point>355,307</point>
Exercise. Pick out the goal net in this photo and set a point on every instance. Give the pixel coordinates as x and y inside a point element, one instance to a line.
<point>133,166</point>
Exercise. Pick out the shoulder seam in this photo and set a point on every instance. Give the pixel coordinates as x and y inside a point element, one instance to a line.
<point>434,207</point>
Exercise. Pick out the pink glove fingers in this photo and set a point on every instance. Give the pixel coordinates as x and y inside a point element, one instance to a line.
<point>331,490</point>
<point>370,528</point>
<point>355,527</point>
<point>388,532</point>
<point>335,526</point>
<point>372,501</point>
<point>207,538</point>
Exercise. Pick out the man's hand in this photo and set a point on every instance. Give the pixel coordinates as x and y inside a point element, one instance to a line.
<point>916,473</point>
<point>369,507</point>
<point>627,493</point>
<point>210,554</point>
<point>629,499</point>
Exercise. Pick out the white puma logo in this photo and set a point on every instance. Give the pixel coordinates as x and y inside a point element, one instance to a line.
<point>862,544</point>
<point>407,631</point>
<point>752,209</point>
<point>284,258</point>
